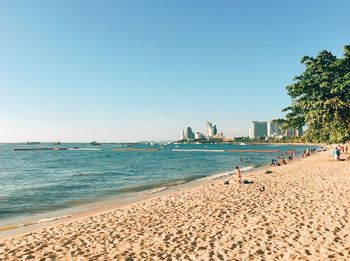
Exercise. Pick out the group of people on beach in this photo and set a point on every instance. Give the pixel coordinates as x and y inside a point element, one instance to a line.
<point>290,154</point>
<point>309,152</point>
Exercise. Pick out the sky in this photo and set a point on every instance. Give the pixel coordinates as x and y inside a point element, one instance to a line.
<point>132,70</point>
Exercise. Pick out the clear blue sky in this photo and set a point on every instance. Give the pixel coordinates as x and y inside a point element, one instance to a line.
<point>144,70</point>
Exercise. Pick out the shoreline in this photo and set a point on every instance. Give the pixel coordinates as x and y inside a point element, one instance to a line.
<point>113,203</point>
<point>301,213</point>
<point>120,201</point>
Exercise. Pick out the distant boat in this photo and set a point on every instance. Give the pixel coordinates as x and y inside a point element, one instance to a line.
<point>95,143</point>
<point>242,144</point>
<point>33,142</point>
<point>57,143</point>
<point>76,148</point>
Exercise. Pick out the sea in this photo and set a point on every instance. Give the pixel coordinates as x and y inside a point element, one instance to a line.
<point>37,184</point>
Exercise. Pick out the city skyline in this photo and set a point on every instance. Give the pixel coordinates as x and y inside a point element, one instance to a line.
<point>122,71</point>
<point>210,131</point>
<point>271,129</point>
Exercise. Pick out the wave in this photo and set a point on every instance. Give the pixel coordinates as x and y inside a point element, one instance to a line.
<point>43,220</point>
<point>196,150</point>
<point>224,174</point>
<point>218,175</point>
<point>247,168</point>
<point>154,186</point>
<point>156,191</point>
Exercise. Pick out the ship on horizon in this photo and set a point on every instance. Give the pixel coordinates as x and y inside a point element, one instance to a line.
<point>33,142</point>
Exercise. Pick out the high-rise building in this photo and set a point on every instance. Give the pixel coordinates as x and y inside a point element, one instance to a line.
<point>274,130</point>
<point>215,130</point>
<point>259,129</point>
<point>294,132</point>
<point>198,136</point>
<point>183,136</point>
<point>210,130</point>
<point>299,132</point>
<point>190,134</point>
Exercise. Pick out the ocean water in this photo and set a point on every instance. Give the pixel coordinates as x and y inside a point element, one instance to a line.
<point>41,181</point>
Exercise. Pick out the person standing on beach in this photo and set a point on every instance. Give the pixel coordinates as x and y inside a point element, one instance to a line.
<point>337,153</point>
<point>238,174</point>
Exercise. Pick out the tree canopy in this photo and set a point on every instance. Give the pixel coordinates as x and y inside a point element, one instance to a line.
<point>321,98</point>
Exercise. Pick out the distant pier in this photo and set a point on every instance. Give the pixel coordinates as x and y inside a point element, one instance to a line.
<point>40,149</point>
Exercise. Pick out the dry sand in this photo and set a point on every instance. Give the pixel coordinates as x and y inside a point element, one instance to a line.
<point>303,214</point>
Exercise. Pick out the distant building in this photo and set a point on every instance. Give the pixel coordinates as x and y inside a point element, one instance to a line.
<point>258,129</point>
<point>215,131</point>
<point>294,132</point>
<point>187,134</point>
<point>183,136</point>
<point>299,132</point>
<point>219,135</point>
<point>227,139</point>
<point>210,130</point>
<point>198,136</point>
<point>274,130</point>
<point>250,134</point>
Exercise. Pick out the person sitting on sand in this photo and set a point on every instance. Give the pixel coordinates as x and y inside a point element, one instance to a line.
<point>273,162</point>
<point>277,163</point>
<point>283,161</point>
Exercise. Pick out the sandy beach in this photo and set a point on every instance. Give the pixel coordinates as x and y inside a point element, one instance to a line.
<point>303,214</point>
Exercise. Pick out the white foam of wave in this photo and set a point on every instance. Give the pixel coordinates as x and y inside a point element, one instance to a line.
<point>224,174</point>
<point>247,168</point>
<point>44,220</point>
<point>217,176</point>
<point>196,150</point>
<point>156,190</point>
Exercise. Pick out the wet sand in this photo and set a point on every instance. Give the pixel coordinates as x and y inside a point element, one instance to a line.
<point>303,214</point>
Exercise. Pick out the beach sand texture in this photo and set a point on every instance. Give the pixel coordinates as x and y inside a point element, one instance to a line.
<point>303,214</point>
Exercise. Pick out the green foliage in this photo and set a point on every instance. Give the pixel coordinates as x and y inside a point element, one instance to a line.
<point>321,98</point>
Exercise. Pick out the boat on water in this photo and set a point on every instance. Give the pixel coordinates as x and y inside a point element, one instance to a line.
<point>83,149</point>
<point>95,143</point>
<point>33,142</point>
<point>242,144</point>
